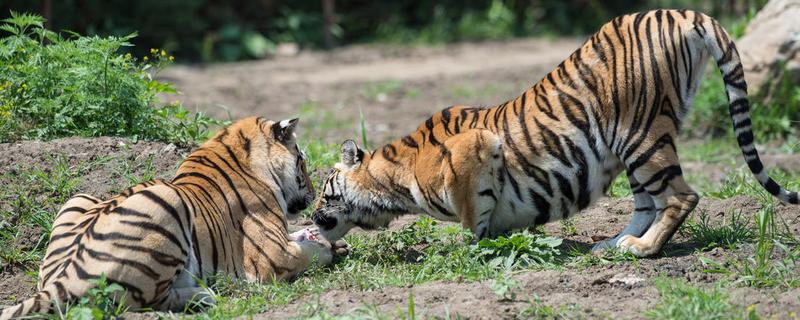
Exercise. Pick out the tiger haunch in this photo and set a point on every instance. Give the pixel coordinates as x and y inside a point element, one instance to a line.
<point>615,104</point>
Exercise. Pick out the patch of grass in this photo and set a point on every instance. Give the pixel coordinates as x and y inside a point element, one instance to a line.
<point>471,92</point>
<point>379,91</point>
<point>742,182</point>
<point>31,199</point>
<point>127,169</point>
<point>680,300</point>
<point>421,252</point>
<point>721,150</point>
<point>620,187</point>
<point>585,258</point>
<point>774,260</point>
<point>55,87</point>
<point>321,155</point>
<point>726,235</point>
<point>537,309</point>
<point>775,111</point>
<point>568,226</point>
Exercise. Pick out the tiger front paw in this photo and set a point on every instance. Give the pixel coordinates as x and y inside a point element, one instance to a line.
<point>340,248</point>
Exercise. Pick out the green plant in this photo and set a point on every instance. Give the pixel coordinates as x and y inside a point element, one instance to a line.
<point>104,301</point>
<point>497,22</point>
<point>128,167</point>
<point>538,310</point>
<point>53,87</point>
<point>363,124</point>
<point>523,248</point>
<point>568,227</point>
<point>680,300</point>
<point>504,287</point>
<point>772,263</point>
<point>727,235</point>
<point>775,111</point>
<point>620,187</point>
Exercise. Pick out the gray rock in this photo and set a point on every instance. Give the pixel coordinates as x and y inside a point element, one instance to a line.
<point>772,37</point>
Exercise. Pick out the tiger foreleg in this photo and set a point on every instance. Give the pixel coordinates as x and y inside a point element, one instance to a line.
<point>472,176</point>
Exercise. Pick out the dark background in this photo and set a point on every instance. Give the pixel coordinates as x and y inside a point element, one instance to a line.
<point>221,30</point>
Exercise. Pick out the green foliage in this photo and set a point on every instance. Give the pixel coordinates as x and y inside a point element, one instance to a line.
<point>522,248</point>
<point>680,300</point>
<point>228,30</point>
<point>54,87</point>
<point>773,263</point>
<point>363,123</point>
<point>775,114</point>
<point>102,302</point>
<point>25,207</point>
<point>620,187</point>
<point>727,235</point>
<point>504,287</point>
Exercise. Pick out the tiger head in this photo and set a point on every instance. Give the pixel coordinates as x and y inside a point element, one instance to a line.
<point>352,197</point>
<point>274,157</point>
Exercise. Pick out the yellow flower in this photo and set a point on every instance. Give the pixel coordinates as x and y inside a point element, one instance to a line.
<point>128,56</point>
<point>163,53</point>
<point>153,50</point>
<point>171,58</point>
<point>145,58</point>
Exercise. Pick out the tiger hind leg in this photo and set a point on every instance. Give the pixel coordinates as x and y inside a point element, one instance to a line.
<point>673,200</point>
<point>643,215</point>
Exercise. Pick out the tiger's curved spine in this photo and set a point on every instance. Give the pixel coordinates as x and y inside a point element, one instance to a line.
<point>617,103</point>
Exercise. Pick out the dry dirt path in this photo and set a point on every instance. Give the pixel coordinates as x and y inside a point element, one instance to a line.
<point>397,88</point>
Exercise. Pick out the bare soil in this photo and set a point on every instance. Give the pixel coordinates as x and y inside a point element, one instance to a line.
<point>397,88</point>
<point>595,292</point>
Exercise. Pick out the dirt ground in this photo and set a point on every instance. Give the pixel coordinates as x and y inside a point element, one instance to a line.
<point>340,83</point>
<point>365,78</point>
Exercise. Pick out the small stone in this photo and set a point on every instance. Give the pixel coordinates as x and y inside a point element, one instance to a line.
<point>626,279</point>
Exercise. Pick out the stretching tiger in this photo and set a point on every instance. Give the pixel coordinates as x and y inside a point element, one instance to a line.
<point>615,104</point>
<point>224,212</point>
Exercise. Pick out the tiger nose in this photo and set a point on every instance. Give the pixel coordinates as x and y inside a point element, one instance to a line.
<point>322,221</point>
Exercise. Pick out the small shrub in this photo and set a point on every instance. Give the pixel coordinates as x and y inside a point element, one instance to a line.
<point>102,302</point>
<point>522,248</point>
<point>53,87</point>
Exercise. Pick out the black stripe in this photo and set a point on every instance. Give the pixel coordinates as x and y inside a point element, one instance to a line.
<point>489,193</point>
<point>157,229</point>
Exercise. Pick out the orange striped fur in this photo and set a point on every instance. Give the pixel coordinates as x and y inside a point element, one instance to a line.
<point>615,104</point>
<point>224,212</point>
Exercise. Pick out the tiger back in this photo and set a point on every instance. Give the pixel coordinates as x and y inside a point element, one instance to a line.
<point>616,103</point>
<point>224,212</point>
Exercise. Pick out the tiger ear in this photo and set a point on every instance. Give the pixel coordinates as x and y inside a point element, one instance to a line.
<point>283,131</point>
<point>351,155</point>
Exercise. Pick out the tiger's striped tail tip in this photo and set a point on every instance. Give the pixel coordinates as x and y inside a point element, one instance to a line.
<point>793,198</point>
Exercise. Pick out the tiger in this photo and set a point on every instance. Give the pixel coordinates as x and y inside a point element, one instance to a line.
<point>616,103</point>
<point>224,212</point>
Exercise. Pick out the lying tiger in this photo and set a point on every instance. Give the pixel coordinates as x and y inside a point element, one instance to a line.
<point>615,104</point>
<point>224,212</point>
